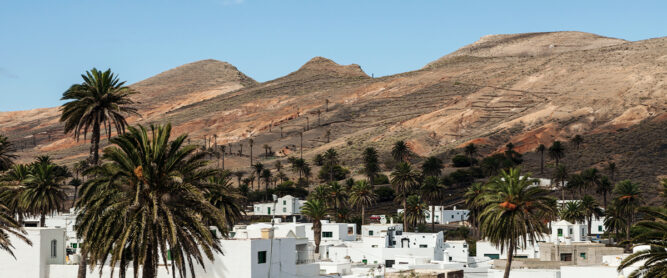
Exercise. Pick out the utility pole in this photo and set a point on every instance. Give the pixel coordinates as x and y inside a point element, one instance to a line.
<point>307,123</point>
<point>301,147</point>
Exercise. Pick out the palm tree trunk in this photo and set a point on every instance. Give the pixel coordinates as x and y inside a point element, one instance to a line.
<point>405,216</point>
<point>604,198</point>
<point>542,163</point>
<point>42,220</point>
<point>223,160</point>
<point>148,267</point>
<point>510,254</point>
<point>590,218</point>
<point>363,212</point>
<point>318,236</point>
<point>83,263</point>
<point>95,140</point>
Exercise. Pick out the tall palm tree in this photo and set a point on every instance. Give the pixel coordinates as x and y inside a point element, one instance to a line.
<point>258,167</point>
<point>557,151</point>
<point>266,176</point>
<point>512,212</point>
<point>628,199</point>
<point>611,167</point>
<point>577,140</point>
<point>540,149</point>
<point>414,211</point>
<point>400,151</point>
<point>43,193</point>
<point>592,178</point>
<point>11,190</point>
<point>330,161</point>
<point>239,175</point>
<point>6,153</point>
<point>591,208</point>
<point>604,187</point>
<point>432,192</point>
<point>404,181</point>
<point>316,210</point>
<point>102,99</point>
<point>371,165</point>
<point>651,231</point>
<point>8,225</point>
<point>337,196</point>
<point>614,220</point>
<point>251,142</point>
<point>560,176</point>
<point>220,192</point>
<point>147,199</point>
<point>471,150</point>
<point>474,201</point>
<point>222,149</point>
<point>432,167</point>
<point>362,195</point>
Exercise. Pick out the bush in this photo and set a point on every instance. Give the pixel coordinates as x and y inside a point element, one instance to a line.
<point>461,161</point>
<point>288,188</point>
<point>462,177</point>
<point>381,179</point>
<point>384,193</point>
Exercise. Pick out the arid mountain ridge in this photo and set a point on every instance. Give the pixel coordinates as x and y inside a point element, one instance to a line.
<point>525,88</point>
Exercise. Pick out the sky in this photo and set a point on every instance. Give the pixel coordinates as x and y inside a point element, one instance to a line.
<point>46,45</point>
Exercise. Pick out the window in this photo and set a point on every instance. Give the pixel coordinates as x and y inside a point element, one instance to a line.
<point>374,246</point>
<point>423,246</point>
<point>599,228</point>
<point>398,233</point>
<point>560,232</point>
<point>284,209</point>
<point>74,245</point>
<point>350,230</point>
<point>566,257</point>
<point>261,257</point>
<point>269,211</point>
<point>571,231</point>
<point>582,255</point>
<point>370,232</point>
<point>492,256</point>
<point>284,202</point>
<point>450,259</point>
<point>327,234</point>
<point>452,216</point>
<point>54,248</point>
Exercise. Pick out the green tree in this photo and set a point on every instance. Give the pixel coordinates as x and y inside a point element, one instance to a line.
<point>43,192</point>
<point>540,149</point>
<point>651,231</point>
<point>628,199</point>
<point>614,221</point>
<point>12,188</point>
<point>400,151</point>
<point>258,167</point>
<point>611,168</point>
<point>512,212</point>
<point>432,167</point>
<point>432,192</point>
<point>102,99</point>
<point>474,201</point>
<point>6,153</point>
<point>148,199</point>
<point>220,192</point>
<point>414,211</point>
<point>573,212</point>
<point>371,165</point>
<point>560,176</point>
<point>337,197</point>
<point>591,208</point>
<point>557,151</point>
<point>604,187</point>
<point>592,179</point>
<point>331,161</point>
<point>404,181</point>
<point>362,195</point>
<point>9,226</point>
<point>316,211</point>
<point>471,150</point>
<point>577,140</point>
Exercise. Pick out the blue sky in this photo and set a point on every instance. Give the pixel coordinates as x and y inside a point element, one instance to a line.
<point>46,45</point>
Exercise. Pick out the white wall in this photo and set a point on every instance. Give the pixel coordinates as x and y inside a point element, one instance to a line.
<point>32,261</point>
<point>532,251</point>
<point>531,273</point>
<point>286,205</point>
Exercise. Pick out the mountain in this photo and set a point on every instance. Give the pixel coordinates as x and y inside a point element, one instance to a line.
<point>529,89</point>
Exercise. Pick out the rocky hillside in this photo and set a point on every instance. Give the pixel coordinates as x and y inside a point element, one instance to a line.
<point>525,88</point>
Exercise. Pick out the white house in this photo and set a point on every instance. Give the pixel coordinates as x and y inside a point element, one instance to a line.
<point>445,216</point>
<point>381,229</point>
<point>286,205</point>
<point>485,251</point>
<point>563,231</point>
<point>48,248</point>
<point>333,232</point>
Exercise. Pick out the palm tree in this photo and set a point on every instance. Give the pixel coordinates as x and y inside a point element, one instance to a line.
<point>573,212</point>
<point>474,202</point>
<point>148,199</point>
<point>337,196</point>
<point>10,192</point>
<point>362,195</point>
<point>43,192</point>
<point>316,211</point>
<point>591,208</point>
<point>222,149</point>
<point>512,212</point>
<point>604,187</point>
<point>102,99</point>
<point>404,181</point>
<point>651,231</point>
<point>432,192</point>
<point>6,153</point>
<point>400,151</point>
<point>432,167</point>
<point>8,225</point>
<point>266,176</point>
<point>258,169</point>
<point>541,148</point>
<point>414,212</point>
<point>628,199</point>
<point>239,175</point>
<point>371,166</point>
<point>577,140</point>
<point>221,194</point>
<point>471,150</point>
<point>592,179</point>
<point>614,220</point>
<point>611,167</point>
<point>557,151</point>
<point>331,161</point>
<point>320,193</point>
<point>560,176</point>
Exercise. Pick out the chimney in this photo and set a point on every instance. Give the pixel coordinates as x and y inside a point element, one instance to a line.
<point>267,233</point>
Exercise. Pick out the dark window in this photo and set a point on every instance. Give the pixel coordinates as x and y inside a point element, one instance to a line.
<point>566,257</point>
<point>370,233</point>
<point>261,257</point>
<point>492,256</point>
<point>54,248</point>
<point>398,233</point>
<point>423,246</point>
<point>582,255</point>
<point>599,228</point>
<point>389,263</point>
<point>284,202</point>
<point>560,232</point>
<point>350,230</point>
<point>327,234</point>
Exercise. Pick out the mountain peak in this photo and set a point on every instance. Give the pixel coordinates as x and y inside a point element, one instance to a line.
<point>320,64</point>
